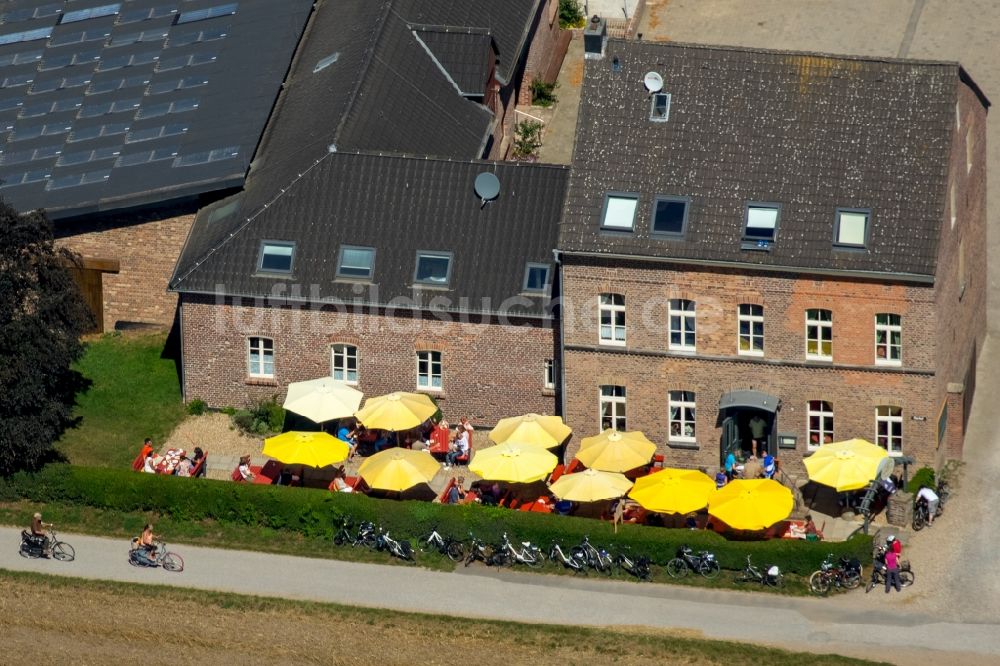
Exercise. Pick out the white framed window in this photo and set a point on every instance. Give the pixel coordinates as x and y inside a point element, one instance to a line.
<point>682,324</point>
<point>851,230</point>
<point>260,357</point>
<point>612,313</point>
<point>619,211</point>
<point>750,329</point>
<point>344,363</point>
<point>612,407</point>
<point>820,422</point>
<point>429,370</point>
<point>682,416</point>
<point>819,335</point>
<point>888,339</point>
<point>549,374</point>
<point>889,428</point>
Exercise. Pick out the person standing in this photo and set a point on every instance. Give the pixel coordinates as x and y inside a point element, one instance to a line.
<point>932,499</point>
<point>752,469</point>
<point>758,427</point>
<point>729,466</point>
<point>769,466</point>
<point>892,571</point>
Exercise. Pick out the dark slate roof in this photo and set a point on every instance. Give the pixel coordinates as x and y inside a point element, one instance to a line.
<point>465,55</point>
<point>398,205</point>
<point>107,104</point>
<point>383,92</point>
<point>810,132</point>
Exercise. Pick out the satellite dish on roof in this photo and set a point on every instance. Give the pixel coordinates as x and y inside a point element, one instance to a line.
<point>653,82</point>
<point>487,187</point>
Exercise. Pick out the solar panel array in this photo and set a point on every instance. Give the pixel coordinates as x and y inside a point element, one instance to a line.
<point>103,104</point>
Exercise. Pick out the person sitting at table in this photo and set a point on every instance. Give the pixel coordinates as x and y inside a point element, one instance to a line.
<point>244,469</point>
<point>340,484</point>
<point>348,436</point>
<point>460,448</point>
<point>184,467</point>
<point>148,465</point>
<point>198,456</point>
<point>457,491</point>
<point>721,479</point>
<point>811,529</point>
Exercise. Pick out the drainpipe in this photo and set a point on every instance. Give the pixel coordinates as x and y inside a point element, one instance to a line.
<point>557,257</point>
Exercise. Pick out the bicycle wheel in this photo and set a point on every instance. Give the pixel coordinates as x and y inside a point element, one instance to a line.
<point>24,550</point>
<point>534,560</point>
<point>906,578</point>
<point>580,554</point>
<point>677,568</point>
<point>63,552</point>
<point>852,579</point>
<point>605,565</point>
<point>172,562</point>
<point>406,551</point>
<point>819,583</point>
<point>455,551</point>
<point>919,520</point>
<point>709,569</point>
<point>871,583</point>
<point>339,539</point>
<point>775,581</point>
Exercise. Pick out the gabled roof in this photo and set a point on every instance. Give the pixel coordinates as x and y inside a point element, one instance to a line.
<point>810,132</point>
<point>465,55</point>
<point>108,104</point>
<point>397,205</point>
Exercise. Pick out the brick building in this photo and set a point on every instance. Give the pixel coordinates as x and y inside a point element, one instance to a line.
<point>781,243</point>
<point>387,272</point>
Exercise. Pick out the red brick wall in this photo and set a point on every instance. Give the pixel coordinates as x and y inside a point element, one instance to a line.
<point>852,383</point>
<point>489,371</point>
<point>147,245</point>
<point>545,52</point>
<point>961,278</point>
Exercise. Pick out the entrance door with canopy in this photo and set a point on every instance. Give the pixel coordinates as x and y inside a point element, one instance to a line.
<point>741,415</point>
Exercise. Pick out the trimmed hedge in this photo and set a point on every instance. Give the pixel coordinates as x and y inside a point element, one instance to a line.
<point>317,513</point>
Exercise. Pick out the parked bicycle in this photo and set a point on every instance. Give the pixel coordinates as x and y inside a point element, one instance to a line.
<point>507,554</point>
<point>846,574</point>
<point>453,548</point>
<point>401,549</point>
<point>478,550</point>
<point>577,564</point>
<point>365,536</point>
<point>906,575</point>
<point>768,575</point>
<point>596,558</point>
<point>39,546</point>
<point>704,563</point>
<point>636,566</point>
<point>161,557</point>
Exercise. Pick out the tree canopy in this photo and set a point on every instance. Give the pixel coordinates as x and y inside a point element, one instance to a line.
<point>42,316</point>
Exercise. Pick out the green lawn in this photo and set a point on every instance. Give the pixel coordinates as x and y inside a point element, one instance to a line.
<point>135,394</point>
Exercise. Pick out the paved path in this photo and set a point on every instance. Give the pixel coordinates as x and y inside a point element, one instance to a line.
<point>810,624</point>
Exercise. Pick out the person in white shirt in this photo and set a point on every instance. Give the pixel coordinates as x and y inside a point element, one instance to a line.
<point>460,448</point>
<point>932,500</point>
<point>147,466</point>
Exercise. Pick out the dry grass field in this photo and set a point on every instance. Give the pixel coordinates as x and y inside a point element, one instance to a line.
<point>51,620</point>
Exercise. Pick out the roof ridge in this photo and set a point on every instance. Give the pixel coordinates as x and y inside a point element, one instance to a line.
<point>441,158</point>
<point>438,27</point>
<point>755,49</point>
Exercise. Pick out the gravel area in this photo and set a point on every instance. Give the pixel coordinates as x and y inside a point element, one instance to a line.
<point>215,433</point>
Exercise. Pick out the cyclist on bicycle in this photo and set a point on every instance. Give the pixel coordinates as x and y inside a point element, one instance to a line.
<point>146,548</point>
<point>38,531</point>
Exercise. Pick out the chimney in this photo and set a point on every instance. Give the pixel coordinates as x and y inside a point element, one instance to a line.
<point>595,38</point>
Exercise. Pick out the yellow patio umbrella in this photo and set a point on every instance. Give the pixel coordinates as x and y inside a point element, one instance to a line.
<point>751,504</point>
<point>545,431</point>
<point>673,491</point>
<point>322,399</point>
<point>396,411</point>
<point>590,486</point>
<point>313,449</point>
<point>398,469</point>
<point>513,462</point>
<point>614,451</point>
<point>847,465</point>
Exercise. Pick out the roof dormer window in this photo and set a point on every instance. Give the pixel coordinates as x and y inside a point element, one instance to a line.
<point>852,228</point>
<point>276,257</point>
<point>660,111</point>
<point>760,226</point>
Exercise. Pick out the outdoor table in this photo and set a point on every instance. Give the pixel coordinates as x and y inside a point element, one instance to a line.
<point>169,461</point>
